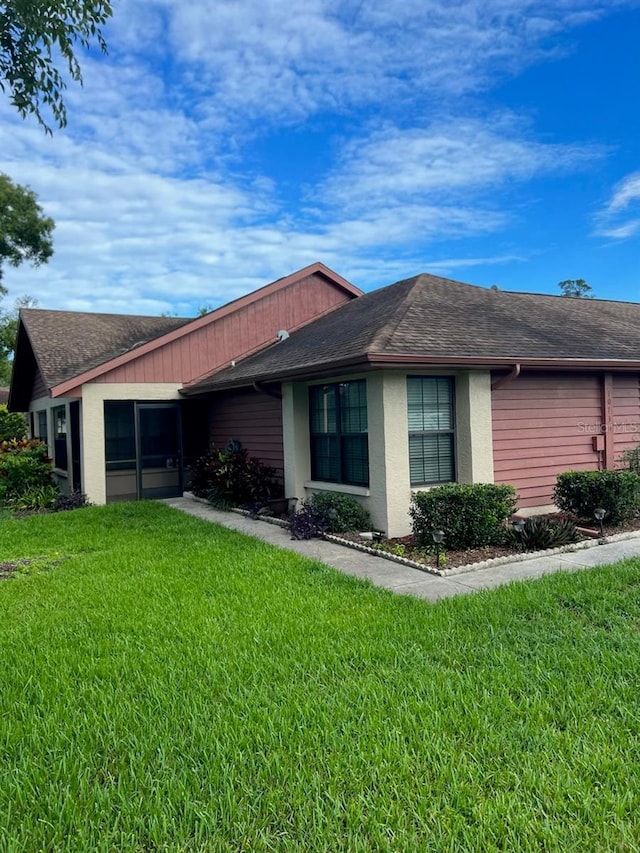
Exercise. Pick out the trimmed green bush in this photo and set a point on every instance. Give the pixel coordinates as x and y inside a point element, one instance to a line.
<point>25,469</point>
<point>12,425</point>
<point>342,513</point>
<point>580,492</point>
<point>471,516</point>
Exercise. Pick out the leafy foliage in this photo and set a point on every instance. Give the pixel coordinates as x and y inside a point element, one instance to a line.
<point>630,459</point>
<point>32,37</point>
<point>35,498</point>
<point>328,512</point>
<point>230,477</point>
<point>75,500</point>
<point>580,492</point>
<point>9,333</point>
<point>342,513</point>
<point>307,522</point>
<point>25,470</point>
<point>12,425</point>
<point>540,533</point>
<point>471,516</point>
<point>576,288</point>
<point>25,232</point>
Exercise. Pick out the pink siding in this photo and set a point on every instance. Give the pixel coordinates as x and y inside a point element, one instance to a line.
<point>543,425</point>
<point>626,413</point>
<point>234,335</point>
<point>252,418</point>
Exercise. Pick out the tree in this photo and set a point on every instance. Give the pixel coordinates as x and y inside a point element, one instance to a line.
<point>8,334</point>
<point>25,232</point>
<point>576,288</point>
<point>33,35</point>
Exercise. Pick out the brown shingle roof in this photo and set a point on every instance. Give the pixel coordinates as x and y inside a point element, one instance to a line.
<point>68,342</point>
<point>440,319</point>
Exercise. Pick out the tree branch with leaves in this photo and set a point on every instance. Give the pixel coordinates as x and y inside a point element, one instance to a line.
<point>33,35</point>
<point>25,232</point>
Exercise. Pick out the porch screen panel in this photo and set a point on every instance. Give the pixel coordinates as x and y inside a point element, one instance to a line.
<point>120,436</point>
<point>431,429</point>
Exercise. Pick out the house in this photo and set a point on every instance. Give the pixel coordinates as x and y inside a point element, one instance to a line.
<point>375,395</point>
<point>103,390</point>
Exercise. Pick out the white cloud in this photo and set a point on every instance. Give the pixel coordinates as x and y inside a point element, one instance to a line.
<point>287,59</point>
<point>446,160</point>
<point>620,217</point>
<point>159,206</point>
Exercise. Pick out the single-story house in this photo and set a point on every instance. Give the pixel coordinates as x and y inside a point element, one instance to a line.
<point>376,394</point>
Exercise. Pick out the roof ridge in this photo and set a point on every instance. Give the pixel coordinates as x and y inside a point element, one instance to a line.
<point>384,335</point>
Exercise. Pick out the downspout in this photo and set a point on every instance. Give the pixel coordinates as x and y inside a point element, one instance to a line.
<point>505,380</point>
<point>269,392</point>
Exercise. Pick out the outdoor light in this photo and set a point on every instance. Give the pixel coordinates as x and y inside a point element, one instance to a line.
<point>518,527</point>
<point>437,536</point>
<point>600,513</point>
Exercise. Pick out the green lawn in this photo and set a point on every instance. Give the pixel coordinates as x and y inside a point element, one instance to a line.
<point>169,685</point>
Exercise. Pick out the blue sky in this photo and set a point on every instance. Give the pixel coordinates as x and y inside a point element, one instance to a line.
<point>221,145</point>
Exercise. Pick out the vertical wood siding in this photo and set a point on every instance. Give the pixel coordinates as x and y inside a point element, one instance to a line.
<point>625,428</point>
<point>543,425</point>
<point>234,335</point>
<point>252,418</point>
<point>39,387</point>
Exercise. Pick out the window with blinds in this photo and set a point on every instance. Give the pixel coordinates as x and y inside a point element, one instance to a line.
<point>430,402</point>
<point>338,427</point>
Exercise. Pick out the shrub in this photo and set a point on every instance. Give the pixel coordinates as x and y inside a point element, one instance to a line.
<point>24,468</point>
<point>580,492</point>
<point>35,498</point>
<point>307,522</point>
<point>630,459</point>
<point>75,500</point>
<point>342,513</point>
<point>540,533</point>
<point>471,516</point>
<point>12,425</point>
<point>231,477</point>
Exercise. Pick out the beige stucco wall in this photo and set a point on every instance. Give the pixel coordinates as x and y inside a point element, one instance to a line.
<point>92,426</point>
<point>389,493</point>
<point>474,444</point>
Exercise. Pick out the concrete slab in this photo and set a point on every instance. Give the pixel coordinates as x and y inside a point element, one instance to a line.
<point>405,580</point>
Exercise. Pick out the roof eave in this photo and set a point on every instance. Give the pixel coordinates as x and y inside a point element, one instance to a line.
<point>379,361</point>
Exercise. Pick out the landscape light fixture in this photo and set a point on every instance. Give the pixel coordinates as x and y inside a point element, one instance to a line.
<point>437,536</point>
<point>518,527</point>
<point>600,513</point>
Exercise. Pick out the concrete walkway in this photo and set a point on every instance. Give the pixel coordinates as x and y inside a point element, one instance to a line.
<point>403,579</point>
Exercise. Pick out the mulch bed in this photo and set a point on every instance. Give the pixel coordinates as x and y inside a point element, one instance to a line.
<point>405,546</point>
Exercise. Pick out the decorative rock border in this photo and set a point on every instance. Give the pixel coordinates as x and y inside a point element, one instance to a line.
<point>456,570</point>
<point>483,564</point>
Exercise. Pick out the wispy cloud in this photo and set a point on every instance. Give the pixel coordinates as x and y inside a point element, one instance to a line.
<point>620,217</point>
<point>159,207</point>
<point>287,59</point>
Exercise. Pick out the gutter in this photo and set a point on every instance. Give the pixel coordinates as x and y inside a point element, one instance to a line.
<point>506,380</point>
<point>370,361</point>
